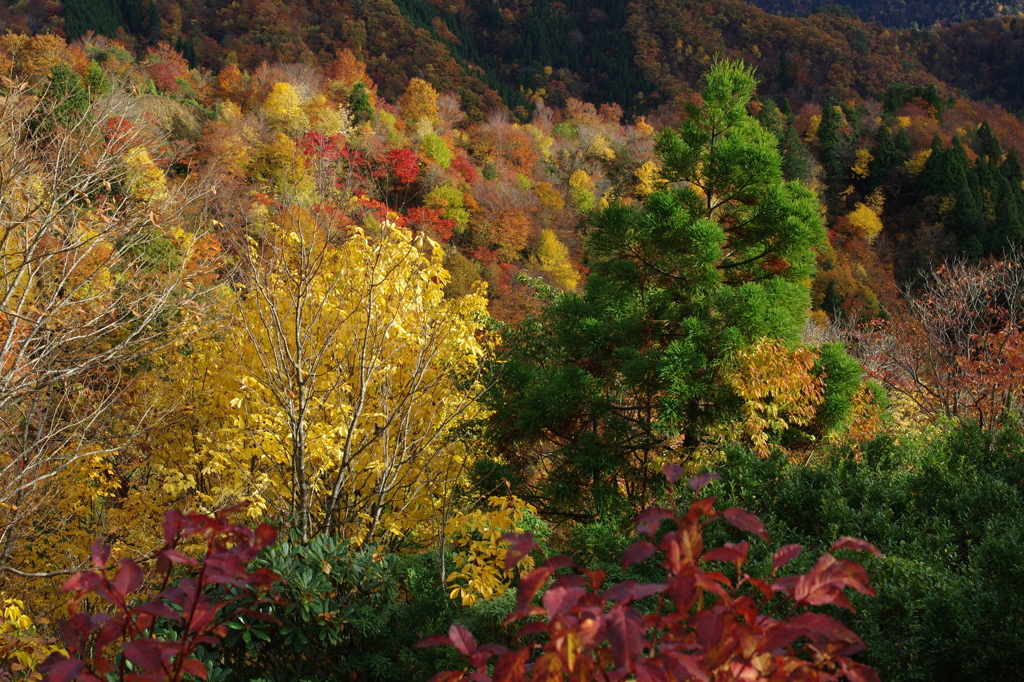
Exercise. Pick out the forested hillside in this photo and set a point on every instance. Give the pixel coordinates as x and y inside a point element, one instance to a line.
<point>913,14</point>
<point>638,55</point>
<point>684,335</point>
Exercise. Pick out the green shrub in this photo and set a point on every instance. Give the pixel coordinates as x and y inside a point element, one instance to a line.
<point>948,512</point>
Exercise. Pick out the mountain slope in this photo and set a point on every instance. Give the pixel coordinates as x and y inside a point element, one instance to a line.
<point>638,54</point>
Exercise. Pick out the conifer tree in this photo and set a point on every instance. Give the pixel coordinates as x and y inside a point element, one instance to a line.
<point>796,164</point>
<point>830,139</point>
<point>988,143</point>
<point>885,157</point>
<point>69,97</point>
<point>966,221</point>
<point>607,381</point>
<point>935,178</point>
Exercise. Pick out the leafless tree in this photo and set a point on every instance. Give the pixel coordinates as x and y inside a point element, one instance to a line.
<point>99,273</point>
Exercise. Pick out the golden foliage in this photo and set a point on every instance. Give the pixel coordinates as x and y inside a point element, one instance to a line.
<point>778,389</point>
<point>915,164</point>
<point>865,221</point>
<point>22,648</point>
<point>549,196</point>
<point>553,258</point>
<point>811,134</point>
<point>649,179</point>
<point>283,109</point>
<point>480,553</point>
<point>861,168</point>
<point>332,396</point>
<point>146,182</point>
<point>419,101</point>
<point>581,187</point>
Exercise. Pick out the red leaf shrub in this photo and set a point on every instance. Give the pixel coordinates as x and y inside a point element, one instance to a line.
<point>705,626</point>
<point>403,164</point>
<point>94,640</point>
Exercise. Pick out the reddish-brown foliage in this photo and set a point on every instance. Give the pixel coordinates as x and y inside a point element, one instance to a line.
<point>956,350</point>
<point>705,625</point>
<point>94,639</point>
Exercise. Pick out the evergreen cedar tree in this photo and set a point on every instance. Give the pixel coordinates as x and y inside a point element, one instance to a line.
<point>703,625</point>
<point>630,367</point>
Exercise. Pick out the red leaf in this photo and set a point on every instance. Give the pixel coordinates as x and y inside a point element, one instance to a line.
<point>436,640</point>
<point>83,581</point>
<point>730,554</point>
<point>448,676</point>
<point>530,583</point>
<point>673,472</point>
<point>784,555</point>
<point>649,519</point>
<point>511,667</point>
<point>145,653</point>
<point>595,577</point>
<point>266,535</point>
<point>698,482</point>
<point>647,671</point>
<point>744,520</point>
<point>160,609</point>
<point>531,628</point>
<point>128,578</point>
<point>75,631</point>
<point>193,666</point>
<point>777,635</point>
<point>202,615</point>
<point>462,639</point>
<point>100,553</point>
<point>109,633</point>
<point>641,550</point>
<point>559,599</point>
<point>173,521</point>
<point>686,666</point>
<point>856,544</point>
<point>57,668</point>
<point>823,630</point>
<point>625,629</point>
<point>856,672</point>
<point>627,591</point>
<point>492,650</point>
<point>709,624</point>
<point>521,545</point>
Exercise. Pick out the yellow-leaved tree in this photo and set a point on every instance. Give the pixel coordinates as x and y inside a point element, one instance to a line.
<point>104,266</point>
<point>419,102</point>
<point>283,109</point>
<point>553,258</point>
<point>778,387</point>
<point>865,221</point>
<point>332,398</point>
<point>479,551</point>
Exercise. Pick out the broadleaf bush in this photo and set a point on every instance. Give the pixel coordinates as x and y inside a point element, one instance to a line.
<point>703,624</point>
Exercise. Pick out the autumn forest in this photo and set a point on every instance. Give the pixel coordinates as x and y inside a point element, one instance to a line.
<point>416,340</point>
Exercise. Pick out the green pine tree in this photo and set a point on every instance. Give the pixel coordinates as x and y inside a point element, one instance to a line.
<point>1007,229</point>
<point>886,156</point>
<point>69,97</point>
<point>966,221</point>
<point>935,178</point>
<point>629,369</point>
<point>99,16</point>
<point>988,144</point>
<point>830,140</point>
